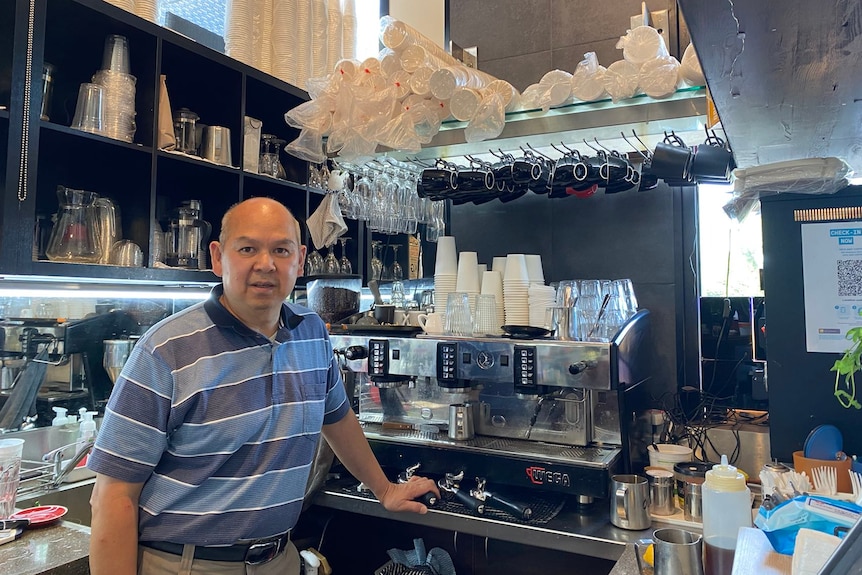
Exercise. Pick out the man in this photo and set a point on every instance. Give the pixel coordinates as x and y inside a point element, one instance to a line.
<point>204,452</point>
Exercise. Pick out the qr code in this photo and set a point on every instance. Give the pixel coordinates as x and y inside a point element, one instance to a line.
<point>849,278</point>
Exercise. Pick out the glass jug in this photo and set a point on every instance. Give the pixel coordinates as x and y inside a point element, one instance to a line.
<point>75,237</point>
<point>186,235</point>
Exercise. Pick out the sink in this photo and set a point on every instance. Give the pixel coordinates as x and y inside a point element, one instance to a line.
<point>73,496</point>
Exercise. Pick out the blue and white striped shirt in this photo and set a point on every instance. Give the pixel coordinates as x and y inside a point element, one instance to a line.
<point>220,423</point>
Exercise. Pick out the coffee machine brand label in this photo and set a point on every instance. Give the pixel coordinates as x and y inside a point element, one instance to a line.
<point>542,476</point>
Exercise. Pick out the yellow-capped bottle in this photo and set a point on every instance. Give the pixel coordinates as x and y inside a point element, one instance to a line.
<point>726,508</point>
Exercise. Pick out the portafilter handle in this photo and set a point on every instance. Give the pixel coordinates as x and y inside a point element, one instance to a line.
<point>516,509</point>
<point>451,483</point>
<point>430,498</point>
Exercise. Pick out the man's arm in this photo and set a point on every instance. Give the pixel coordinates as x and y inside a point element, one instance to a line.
<point>347,440</point>
<point>114,530</point>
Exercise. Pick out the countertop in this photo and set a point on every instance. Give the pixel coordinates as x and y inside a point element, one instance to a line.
<point>59,549</point>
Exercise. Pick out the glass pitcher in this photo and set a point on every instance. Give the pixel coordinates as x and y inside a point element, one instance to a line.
<point>75,237</point>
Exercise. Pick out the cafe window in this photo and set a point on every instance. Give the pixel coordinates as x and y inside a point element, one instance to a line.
<point>731,252</point>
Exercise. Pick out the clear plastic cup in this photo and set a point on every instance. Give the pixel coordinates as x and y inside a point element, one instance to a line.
<point>116,54</point>
<point>89,112</point>
<point>10,473</point>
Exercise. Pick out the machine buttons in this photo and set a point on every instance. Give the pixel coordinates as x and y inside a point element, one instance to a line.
<point>446,354</point>
<point>378,357</point>
<point>525,369</point>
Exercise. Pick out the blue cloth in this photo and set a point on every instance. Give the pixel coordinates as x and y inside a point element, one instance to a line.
<point>220,423</point>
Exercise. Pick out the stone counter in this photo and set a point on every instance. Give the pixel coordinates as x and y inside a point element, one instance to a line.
<point>61,549</point>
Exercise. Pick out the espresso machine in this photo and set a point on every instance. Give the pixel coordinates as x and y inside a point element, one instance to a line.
<point>536,414</point>
<point>75,376</point>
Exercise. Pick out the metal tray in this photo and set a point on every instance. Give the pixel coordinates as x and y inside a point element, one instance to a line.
<point>402,330</point>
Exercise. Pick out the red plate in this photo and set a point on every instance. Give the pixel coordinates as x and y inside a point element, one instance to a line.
<point>41,515</point>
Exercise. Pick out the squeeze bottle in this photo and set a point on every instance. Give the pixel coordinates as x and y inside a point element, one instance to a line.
<point>726,508</point>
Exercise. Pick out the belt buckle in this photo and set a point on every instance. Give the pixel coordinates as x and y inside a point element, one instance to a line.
<point>263,551</point>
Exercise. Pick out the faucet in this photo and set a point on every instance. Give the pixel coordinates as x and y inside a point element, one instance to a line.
<point>60,470</point>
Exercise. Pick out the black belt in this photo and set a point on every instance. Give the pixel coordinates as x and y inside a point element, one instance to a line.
<point>253,553</point>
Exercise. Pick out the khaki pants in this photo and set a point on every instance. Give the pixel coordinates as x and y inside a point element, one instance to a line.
<point>152,562</point>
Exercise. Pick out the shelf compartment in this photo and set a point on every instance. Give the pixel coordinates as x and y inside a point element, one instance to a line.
<point>7,34</point>
<point>77,271</point>
<point>267,103</point>
<point>206,87</point>
<point>684,112</point>
<point>83,161</point>
<point>74,45</point>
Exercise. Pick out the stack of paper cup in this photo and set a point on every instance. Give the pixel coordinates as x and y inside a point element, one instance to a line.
<point>541,297</point>
<point>239,33</point>
<point>515,290</point>
<point>445,271</point>
<point>492,284</point>
<point>468,276</point>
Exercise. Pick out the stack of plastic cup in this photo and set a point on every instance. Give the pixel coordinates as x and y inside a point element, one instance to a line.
<point>10,473</point>
<point>119,90</point>
<point>485,318</point>
<point>492,284</point>
<point>467,280</point>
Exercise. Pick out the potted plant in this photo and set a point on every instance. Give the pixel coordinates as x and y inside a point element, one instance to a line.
<point>848,365</point>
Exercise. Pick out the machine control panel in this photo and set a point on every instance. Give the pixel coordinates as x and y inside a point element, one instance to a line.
<point>447,357</point>
<point>378,357</point>
<point>525,368</point>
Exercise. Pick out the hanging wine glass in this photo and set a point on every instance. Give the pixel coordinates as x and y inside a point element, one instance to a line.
<point>330,263</point>
<point>344,263</point>
<point>395,272</point>
<point>376,263</point>
<point>313,263</point>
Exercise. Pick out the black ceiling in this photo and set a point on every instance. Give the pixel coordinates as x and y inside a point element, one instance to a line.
<point>785,75</point>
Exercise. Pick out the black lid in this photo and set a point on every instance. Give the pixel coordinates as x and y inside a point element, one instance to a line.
<point>692,468</point>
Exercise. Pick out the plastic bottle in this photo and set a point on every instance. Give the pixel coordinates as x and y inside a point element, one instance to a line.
<point>86,434</point>
<point>726,508</point>
<point>60,417</point>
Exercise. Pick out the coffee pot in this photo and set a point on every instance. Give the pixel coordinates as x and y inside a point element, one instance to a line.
<point>75,236</point>
<point>187,236</point>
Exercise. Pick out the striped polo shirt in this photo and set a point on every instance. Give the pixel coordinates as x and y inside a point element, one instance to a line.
<point>220,423</point>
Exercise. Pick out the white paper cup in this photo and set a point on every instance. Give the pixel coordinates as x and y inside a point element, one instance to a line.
<point>447,256</point>
<point>668,455</point>
<point>516,268</point>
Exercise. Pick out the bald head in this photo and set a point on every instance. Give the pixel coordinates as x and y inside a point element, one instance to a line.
<point>254,208</point>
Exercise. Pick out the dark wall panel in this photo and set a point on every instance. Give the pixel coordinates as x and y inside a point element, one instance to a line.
<point>800,384</point>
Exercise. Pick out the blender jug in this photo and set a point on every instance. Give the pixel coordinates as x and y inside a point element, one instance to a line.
<point>75,236</point>
<point>186,236</point>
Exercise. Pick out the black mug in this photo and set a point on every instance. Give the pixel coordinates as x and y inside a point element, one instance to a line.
<point>671,162</point>
<point>711,163</point>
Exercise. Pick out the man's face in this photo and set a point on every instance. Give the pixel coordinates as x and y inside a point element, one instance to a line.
<point>260,259</point>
